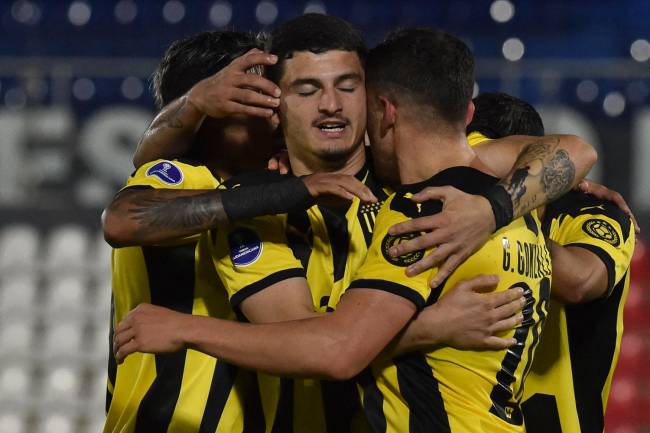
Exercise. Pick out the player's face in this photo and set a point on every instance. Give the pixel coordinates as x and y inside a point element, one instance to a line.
<point>323,104</point>
<point>381,143</point>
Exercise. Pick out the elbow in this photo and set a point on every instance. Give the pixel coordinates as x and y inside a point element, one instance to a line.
<point>577,294</point>
<point>342,364</point>
<point>587,152</point>
<point>114,233</point>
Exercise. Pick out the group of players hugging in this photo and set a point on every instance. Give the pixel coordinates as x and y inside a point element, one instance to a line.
<point>325,238</point>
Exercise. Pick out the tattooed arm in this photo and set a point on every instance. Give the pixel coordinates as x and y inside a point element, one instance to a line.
<point>546,168</point>
<point>149,216</point>
<point>230,91</point>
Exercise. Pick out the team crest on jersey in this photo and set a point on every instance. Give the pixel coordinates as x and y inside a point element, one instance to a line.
<point>167,172</point>
<point>245,247</point>
<point>404,260</point>
<point>601,229</point>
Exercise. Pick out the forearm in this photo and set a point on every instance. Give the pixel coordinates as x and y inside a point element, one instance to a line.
<point>422,332</point>
<point>296,348</point>
<point>171,133</point>
<point>546,169</point>
<point>152,216</point>
<point>578,274</point>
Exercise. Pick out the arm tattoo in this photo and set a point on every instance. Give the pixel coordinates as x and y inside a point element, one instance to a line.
<point>172,120</point>
<point>156,210</point>
<point>542,173</point>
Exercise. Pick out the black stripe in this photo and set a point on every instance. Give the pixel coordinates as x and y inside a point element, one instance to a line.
<point>170,271</point>
<point>222,382</point>
<point>265,282</point>
<point>254,421</point>
<point>341,404</point>
<point>419,388</point>
<point>531,224</point>
<point>390,287</point>
<point>336,222</point>
<point>300,236</point>
<point>592,331</point>
<point>112,363</point>
<point>606,259</point>
<point>373,401</point>
<point>541,414</point>
<point>284,415</point>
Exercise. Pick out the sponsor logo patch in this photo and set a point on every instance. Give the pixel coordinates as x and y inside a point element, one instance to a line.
<point>404,260</point>
<point>601,229</point>
<point>167,172</point>
<point>245,247</point>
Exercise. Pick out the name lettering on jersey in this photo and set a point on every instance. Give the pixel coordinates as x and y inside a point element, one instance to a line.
<point>404,260</point>
<point>601,229</point>
<point>167,172</point>
<point>245,247</point>
<point>532,260</point>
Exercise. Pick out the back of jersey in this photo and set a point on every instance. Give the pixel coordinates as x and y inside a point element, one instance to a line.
<point>448,389</point>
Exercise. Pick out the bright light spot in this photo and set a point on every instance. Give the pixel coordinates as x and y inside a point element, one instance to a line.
<point>62,379</point>
<point>15,99</point>
<point>10,423</point>
<point>513,49</point>
<point>221,13</point>
<point>83,89</point>
<point>26,12</point>
<point>173,11</point>
<point>476,90</point>
<point>58,424</point>
<point>79,13</point>
<point>623,390</point>
<point>125,11</point>
<point>266,12</point>
<point>315,7</point>
<point>587,91</point>
<point>132,88</point>
<point>614,104</point>
<point>502,11</point>
<point>640,50</point>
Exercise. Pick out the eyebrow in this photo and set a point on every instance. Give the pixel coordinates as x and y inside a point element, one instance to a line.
<point>318,83</point>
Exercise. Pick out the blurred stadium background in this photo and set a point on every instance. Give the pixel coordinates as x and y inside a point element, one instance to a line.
<point>74,99</point>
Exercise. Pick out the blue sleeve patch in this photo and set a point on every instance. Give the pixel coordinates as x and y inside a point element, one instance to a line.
<point>167,172</point>
<point>245,247</point>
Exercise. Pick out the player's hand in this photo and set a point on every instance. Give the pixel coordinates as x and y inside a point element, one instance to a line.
<point>462,227</point>
<point>149,329</point>
<point>602,192</point>
<point>471,318</point>
<point>333,188</point>
<point>280,161</point>
<point>233,91</point>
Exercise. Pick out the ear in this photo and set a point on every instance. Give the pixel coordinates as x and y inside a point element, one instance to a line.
<point>388,115</point>
<point>470,113</point>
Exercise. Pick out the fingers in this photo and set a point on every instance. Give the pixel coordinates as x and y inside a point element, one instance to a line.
<point>124,350</point>
<point>257,83</point>
<point>122,337</point>
<point>421,224</point>
<point>483,283</point>
<point>422,242</point>
<point>507,324</point>
<point>251,97</point>
<point>273,164</point>
<point>255,57</point>
<point>432,193</point>
<point>450,265</point>
<point>356,188</point>
<point>249,110</point>
<point>498,343</point>
<point>429,261</point>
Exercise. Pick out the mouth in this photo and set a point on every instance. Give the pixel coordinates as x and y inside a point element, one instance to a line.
<point>332,128</point>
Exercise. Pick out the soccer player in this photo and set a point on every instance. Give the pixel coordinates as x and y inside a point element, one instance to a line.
<point>189,391</point>
<point>340,344</point>
<point>591,244</point>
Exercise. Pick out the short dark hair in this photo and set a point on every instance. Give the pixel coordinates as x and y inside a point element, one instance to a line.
<point>429,66</point>
<point>188,61</point>
<point>499,115</point>
<point>316,33</point>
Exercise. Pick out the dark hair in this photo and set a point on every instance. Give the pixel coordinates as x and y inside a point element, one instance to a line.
<point>429,66</point>
<point>188,61</point>
<point>317,33</point>
<point>499,115</point>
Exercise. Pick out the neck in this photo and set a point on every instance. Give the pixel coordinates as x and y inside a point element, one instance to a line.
<point>421,155</point>
<point>302,165</point>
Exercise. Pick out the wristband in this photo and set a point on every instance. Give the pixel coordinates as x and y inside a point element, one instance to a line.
<point>501,205</point>
<point>266,199</point>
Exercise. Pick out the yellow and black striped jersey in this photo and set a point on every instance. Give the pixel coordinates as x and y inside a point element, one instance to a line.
<point>569,382</point>
<point>446,389</point>
<point>185,391</point>
<point>325,244</point>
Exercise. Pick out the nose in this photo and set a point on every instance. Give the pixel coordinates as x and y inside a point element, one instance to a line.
<point>329,102</point>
